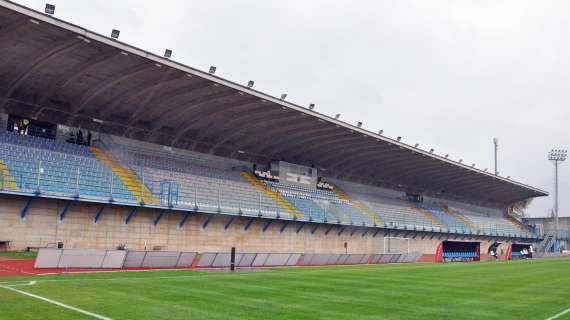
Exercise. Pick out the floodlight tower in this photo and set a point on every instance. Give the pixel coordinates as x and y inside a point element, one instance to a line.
<point>496,143</point>
<point>556,156</point>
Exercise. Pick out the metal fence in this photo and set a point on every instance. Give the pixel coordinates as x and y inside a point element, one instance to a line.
<point>89,180</point>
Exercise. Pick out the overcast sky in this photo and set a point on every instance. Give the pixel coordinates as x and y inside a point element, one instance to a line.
<point>449,75</point>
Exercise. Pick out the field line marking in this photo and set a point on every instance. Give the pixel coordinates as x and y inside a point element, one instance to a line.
<point>87,313</point>
<point>29,283</point>
<point>558,315</point>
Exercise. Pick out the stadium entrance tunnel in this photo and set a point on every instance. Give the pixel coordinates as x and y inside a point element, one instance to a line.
<point>458,251</point>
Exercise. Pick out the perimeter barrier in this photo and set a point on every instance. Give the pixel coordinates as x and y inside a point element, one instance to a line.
<point>117,259</point>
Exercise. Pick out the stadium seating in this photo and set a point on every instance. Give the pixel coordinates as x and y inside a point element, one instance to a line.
<point>449,221</point>
<point>133,172</point>
<point>198,181</point>
<point>487,220</point>
<point>320,205</point>
<point>459,256</point>
<point>394,211</point>
<point>58,168</point>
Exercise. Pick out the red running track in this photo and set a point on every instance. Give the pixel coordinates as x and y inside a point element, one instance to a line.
<point>26,268</point>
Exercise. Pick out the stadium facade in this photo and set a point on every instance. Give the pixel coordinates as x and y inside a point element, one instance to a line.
<point>104,144</point>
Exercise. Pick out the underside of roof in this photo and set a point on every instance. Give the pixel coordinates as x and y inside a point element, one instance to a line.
<point>58,72</point>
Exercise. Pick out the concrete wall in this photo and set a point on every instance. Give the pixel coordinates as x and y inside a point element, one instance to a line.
<point>41,227</point>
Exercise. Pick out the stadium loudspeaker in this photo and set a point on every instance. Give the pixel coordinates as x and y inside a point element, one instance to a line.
<point>233,259</point>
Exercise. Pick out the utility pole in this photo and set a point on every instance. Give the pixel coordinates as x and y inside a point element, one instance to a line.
<point>556,156</point>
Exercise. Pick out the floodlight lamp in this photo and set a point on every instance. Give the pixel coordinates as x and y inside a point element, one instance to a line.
<point>431,150</point>
<point>311,106</point>
<point>115,33</point>
<point>250,83</point>
<point>212,70</point>
<point>337,116</point>
<point>416,145</point>
<point>283,96</point>
<point>472,165</point>
<point>485,169</point>
<point>399,138</point>
<point>557,155</point>
<point>460,160</point>
<point>50,8</point>
<point>447,155</point>
<point>359,124</point>
<point>380,132</point>
<point>167,53</point>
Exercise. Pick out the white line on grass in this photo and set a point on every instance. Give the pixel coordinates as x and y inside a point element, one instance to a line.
<point>87,313</point>
<point>558,315</point>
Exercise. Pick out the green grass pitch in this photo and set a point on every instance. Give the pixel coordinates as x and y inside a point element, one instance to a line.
<point>536,289</point>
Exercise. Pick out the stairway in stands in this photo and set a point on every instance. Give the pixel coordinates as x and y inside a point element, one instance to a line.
<point>277,197</point>
<point>428,215</point>
<point>7,182</point>
<point>515,221</point>
<point>358,205</point>
<point>127,176</point>
<point>458,216</point>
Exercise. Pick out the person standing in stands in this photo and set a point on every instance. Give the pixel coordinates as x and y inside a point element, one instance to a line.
<point>79,137</point>
<point>493,250</point>
<point>88,142</point>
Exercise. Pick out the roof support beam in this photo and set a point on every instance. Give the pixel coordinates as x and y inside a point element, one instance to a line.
<point>131,214</point>
<point>37,62</point>
<point>194,87</point>
<point>329,229</point>
<point>181,110</point>
<point>341,231</point>
<point>339,143</point>
<point>99,213</point>
<point>120,76</point>
<point>65,210</point>
<point>282,138</point>
<point>207,221</point>
<point>315,228</point>
<point>284,226</point>
<point>229,223</point>
<point>186,128</point>
<point>203,124</point>
<point>159,217</point>
<point>248,224</point>
<point>148,89</point>
<point>242,125</point>
<point>267,224</point>
<point>26,208</point>
<point>376,233</point>
<point>300,227</point>
<point>183,220</point>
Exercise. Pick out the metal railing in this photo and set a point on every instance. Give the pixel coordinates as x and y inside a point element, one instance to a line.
<point>91,180</point>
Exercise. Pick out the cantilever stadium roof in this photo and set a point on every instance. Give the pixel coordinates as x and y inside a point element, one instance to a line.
<point>59,72</point>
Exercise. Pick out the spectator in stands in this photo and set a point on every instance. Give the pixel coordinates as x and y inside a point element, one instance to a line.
<point>493,250</point>
<point>71,138</point>
<point>89,136</point>
<point>79,137</point>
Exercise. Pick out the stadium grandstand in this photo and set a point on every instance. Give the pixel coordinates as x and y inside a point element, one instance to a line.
<point>103,144</point>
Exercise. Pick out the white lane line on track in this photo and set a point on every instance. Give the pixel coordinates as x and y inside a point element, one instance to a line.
<point>59,304</point>
<point>558,315</point>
